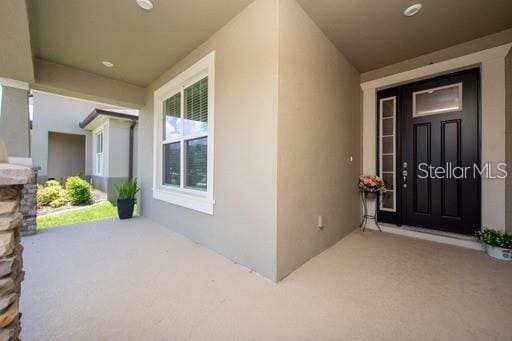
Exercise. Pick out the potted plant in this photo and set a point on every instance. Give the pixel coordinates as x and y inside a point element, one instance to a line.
<point>126,199</point>
<point>498,244</point>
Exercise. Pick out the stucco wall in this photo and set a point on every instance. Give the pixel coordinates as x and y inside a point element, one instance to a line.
<point>59,114</point>
<point>318,133</point>
<point>243,226</point>
<point>455,51</point>
<point>66,155</point>
<point>118,159</point>
<point>118,156</point>
<point>14,122</point>
<point>68,81</point>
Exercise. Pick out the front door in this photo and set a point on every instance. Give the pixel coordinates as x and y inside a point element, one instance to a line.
<point>437,138</point>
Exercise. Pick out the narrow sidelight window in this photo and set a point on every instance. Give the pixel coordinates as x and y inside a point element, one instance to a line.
<point>99,153</point>
<point>387,153</point>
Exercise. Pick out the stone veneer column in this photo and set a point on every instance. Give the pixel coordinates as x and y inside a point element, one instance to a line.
<point>28,206</point>
<point>12,180</point>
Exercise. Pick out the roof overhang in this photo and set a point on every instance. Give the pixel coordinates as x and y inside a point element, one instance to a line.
<point>99,116</point>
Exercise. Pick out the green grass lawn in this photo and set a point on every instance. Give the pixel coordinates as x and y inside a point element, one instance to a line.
<point>101,211</point>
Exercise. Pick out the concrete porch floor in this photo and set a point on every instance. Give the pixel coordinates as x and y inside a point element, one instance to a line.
<point>135,280</point>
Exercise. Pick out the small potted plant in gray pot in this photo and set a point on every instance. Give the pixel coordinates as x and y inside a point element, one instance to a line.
<point>126,199</point>
<point>498,244</point>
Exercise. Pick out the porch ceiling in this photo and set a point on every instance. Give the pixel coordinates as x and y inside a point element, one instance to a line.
<point>373,33</point>
<point>142,44</point>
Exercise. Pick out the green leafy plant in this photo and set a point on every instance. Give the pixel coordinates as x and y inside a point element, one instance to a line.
<point>78,190</point>
<point>51,194</point>
<point>61,201</point>
<point>494,238</point>
<point>127,190</point>
<point>52,183</point>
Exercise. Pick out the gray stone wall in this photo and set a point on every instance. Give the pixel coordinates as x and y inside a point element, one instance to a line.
<point>28,207</point>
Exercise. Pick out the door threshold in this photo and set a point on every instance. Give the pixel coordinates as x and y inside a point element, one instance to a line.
<point>431,235</point>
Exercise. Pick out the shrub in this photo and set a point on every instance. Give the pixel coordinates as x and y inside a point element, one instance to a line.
<point>51,194</point>
<point>78,190</point>
<point>63,200</point>
<point>52,183</point>
<point>494,238</point>
<point>127,190</point>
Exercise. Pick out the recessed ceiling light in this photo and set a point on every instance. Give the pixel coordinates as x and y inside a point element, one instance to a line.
<point>412,10</point>
<point>107,63</point>
<point>145,4</point>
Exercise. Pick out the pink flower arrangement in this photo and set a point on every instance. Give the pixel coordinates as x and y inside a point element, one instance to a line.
<point>371,183</point>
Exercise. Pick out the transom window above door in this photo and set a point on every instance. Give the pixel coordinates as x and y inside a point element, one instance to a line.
<point>438,100</point>
<point>184,138</point>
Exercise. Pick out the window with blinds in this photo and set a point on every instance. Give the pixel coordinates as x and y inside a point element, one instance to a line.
<point>172,116</point>
<point>185,138</point>
<point>183,156</point>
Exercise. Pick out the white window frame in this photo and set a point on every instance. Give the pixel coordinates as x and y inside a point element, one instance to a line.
<point>99,168</point>
<point>381,155</point>
<point>202,201</point>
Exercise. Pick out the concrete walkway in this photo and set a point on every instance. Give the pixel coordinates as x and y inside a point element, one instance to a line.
<point>135,280</point>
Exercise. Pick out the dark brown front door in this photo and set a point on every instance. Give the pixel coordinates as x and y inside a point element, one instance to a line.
<point>439,129</point>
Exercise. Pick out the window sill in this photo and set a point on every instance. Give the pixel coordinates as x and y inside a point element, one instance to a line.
<point>193,202</point>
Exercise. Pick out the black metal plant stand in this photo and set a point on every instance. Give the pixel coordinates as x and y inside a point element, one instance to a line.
<point>366,216</point>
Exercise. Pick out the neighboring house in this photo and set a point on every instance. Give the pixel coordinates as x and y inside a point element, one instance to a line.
<point>114,137</point>
<point>255,124</point>
<point>62,146</point>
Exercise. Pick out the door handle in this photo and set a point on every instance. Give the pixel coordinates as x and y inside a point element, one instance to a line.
<point>404,177</point>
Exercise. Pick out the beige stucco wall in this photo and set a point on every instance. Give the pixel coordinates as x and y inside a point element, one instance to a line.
<point>318,133</point>
<point>14,122</point>
<point>451,52</point>
<point>66,155</point>
<point>243,227</point>
<point>118,140</point>
<point>68,81</point>
<point>16,50</point>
